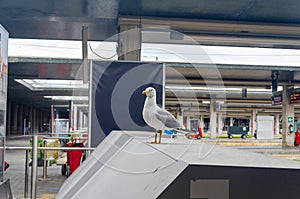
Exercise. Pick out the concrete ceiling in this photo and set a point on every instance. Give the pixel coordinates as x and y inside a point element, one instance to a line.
<point>261,23</point>
<point>55,19</point>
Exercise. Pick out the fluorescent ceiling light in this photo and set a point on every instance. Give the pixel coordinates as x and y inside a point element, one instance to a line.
<point>209,88</point>
<point>52,84</point>
<point>68,98</point>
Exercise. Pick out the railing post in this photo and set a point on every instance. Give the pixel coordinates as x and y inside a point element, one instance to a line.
<point>26,173</point>
<point>45,161</point>
<point>34,166</point>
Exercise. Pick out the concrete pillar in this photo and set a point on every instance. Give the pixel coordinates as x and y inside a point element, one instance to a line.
<point>212,120</point>
<point>31,119</point>
<point>220,123</point>
<point>81,120</point>
<point>287,112</point>
<point>201,121</point>
<point>180,116</point>
<point>25,116</point>
<point>85,120</point>
<point>8,118</point>
<point>188,122</point>
<point>38,120</point>
<point>25,113</point>
<point>75,116</point>
<point>231,121</point>
<point>14,118</point>
<point>253,121</point>
<point>20,119</point>
<point>33,122</point>
<point>129,41</point>
<point>277,124</point>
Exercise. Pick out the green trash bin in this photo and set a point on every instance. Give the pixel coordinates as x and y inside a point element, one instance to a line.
<point>242,130</point>
<point>39,152</point>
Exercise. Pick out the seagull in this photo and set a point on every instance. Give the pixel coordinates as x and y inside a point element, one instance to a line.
<point>156,117</point>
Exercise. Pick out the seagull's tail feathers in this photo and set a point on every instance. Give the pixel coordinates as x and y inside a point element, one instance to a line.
<point>182,127</point>
<point>182,131</point>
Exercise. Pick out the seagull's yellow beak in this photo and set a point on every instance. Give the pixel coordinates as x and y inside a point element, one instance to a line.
<point>145,92</point>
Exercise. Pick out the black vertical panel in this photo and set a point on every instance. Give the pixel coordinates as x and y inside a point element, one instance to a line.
<point>244,182</point>
<point>117,99</point>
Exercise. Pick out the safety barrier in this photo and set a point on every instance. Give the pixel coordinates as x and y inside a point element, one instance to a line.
<point>34,150</point>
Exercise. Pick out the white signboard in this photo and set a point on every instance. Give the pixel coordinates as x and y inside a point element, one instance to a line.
<point>265,127</point>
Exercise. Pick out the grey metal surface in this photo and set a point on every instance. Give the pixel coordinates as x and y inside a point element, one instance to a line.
<point>124,161</point>
<point>203,152</point>
<point>122,167</point>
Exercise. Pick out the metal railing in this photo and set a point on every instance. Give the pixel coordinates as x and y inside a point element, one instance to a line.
<point>34,164</point>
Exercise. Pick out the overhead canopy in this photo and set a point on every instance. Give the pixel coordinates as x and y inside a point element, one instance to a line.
<point>262,22</point>
<point>257,11</point>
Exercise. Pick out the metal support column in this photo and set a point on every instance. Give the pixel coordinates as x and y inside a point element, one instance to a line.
<point>34,166</point>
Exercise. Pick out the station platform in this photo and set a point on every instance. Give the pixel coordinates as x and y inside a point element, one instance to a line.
<point>50,187</point>
<point>46,189</point>
<point>178,168</point>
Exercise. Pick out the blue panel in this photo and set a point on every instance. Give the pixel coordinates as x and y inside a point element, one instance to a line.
<point>117,99</point>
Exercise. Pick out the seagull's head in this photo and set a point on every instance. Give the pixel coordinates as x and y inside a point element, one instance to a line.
<point>150,92</point>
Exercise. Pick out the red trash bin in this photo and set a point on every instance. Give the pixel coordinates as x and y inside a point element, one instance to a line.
<point>73,157</point>
<point>297,138</point>
<point>200,132</point>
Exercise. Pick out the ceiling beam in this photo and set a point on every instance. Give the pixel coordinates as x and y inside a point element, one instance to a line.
<point>218,32</point>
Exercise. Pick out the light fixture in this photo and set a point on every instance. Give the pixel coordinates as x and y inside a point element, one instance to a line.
<point>52,84</point>
<point>68,98</point>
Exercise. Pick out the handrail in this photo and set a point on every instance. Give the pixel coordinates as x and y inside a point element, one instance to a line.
<point>48,148</point>
<point>34,147</point>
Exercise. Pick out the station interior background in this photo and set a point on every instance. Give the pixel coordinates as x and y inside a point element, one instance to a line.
<point>240,53</point>
<point>222,32</point>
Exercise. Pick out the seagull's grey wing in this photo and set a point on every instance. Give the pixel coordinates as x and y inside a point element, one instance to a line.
<point>167,118</point>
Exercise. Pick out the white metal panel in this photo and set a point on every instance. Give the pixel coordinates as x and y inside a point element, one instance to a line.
<point>122,167</point>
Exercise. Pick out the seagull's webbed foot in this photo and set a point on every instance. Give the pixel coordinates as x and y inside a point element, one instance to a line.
<point>155,137</point>
<point>160,132</point>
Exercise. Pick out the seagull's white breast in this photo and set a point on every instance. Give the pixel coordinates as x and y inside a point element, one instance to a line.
<point>157,117</point>
<point>149,111</point>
